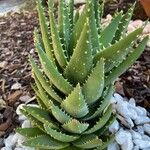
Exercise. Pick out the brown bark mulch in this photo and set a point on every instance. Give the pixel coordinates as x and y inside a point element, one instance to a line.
<point>16,42</point>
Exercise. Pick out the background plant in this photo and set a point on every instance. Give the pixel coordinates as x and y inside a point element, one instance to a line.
<point>79,63</point>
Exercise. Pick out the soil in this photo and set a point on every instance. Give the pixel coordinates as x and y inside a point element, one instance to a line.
<point>16,42</point>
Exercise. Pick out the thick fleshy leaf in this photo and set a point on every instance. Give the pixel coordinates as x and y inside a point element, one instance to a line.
<point>33,120</point>
<point>78,69</point>
<point>60,114</point>
<point>103,104</point>
<point>93,26</point>
<point>64,23</point>
<point>74,126</point>
<point>88,141</point>
<point>44,30</point>
<point>52,73</point>
<point>47,87</point>
<point>45,142</point>
<point>29,132</point>
<point>58,49</point>
<point>108,33</point>
<point>126,63</point>
<point>40,114</point>
<point>57,135</point>
<point>123,24</point>
<point>78,27</point>
<point>107,125</point>
<point>102,121</point>
<point>75,104</point>
<point>106,141</point>
<point>119,46</point>
<point>94,85</point>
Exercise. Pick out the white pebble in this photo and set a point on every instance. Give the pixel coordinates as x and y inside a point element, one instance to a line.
<point>26,124</point>
<point>136,135</point>
<point>143,111</point>
<point>10,141</point>
<point>147,128</point>
<point>118,97</point>
<point>140,130</point>
<point>130,122</point>
<point>16,86</point>
<point>6,148</point>
<point>136,148</point>
<point>142,144</point>
<point>146,138</point>
<point>19,108</point>
<point>114,127</point>
<point>113,146</point>
<point>113,100</point>
<point>124,138</point>
<point>142,120</point>
<point>33,105</point>
<point>132,102</point>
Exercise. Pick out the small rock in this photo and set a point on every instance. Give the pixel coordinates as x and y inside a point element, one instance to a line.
<point>132,102</point>
<point>142,111</point>
<point>10,141</point>
<point>136,135</point>
<point>19,108</point>
<point>146,138</point>
<point>113,146</point>
<point>140,130</point>
<point>142,120</point>
<point>147,128</point>
<point>16,86</point>
<point>3,64</point>
<point>24,98</point>
<point>2,103</point>
<point>114,127</point>
<point>136,148</point>
<point>118,97</point>
<point>6,148</point>
<point>142,144</point>
<point>26,124</point>
<point>113,100</point>
<point>124,138</point>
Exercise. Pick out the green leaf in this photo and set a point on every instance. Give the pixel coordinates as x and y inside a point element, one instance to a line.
<point>78,27</point>
<point>101,122</point>
<point>103,104</point>
<point>74,126</point>
<point>59,114</point>
<point>94,85</point>
<point>93,27</point>
<point>123,24</point>
<point>78,69</point>
<point>106,141</point>
<point>121,45</point>
<point>57,135</point>
<point>88,141</point>
<point>33,120</point>
<point>47,87</point>
<point>52,73</point>
<point>127,62</point>
<point>107,125</point>
<point>64,23</point>
<point>108,33</point>
<point>45,142</point>
<point>58,49</point>
<point>75,103</point>
<point>40,114</point>
<point>29,132</point>
<point>44,100</point>
<point>44,30</point>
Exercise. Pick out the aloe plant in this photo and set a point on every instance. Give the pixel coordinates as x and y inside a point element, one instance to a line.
<point>80,62</point>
